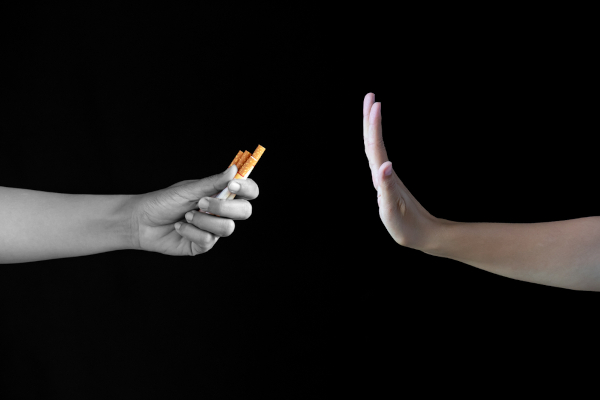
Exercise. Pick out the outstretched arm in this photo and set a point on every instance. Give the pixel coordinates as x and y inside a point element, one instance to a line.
<point>564,254</point>
<point>38,225</point>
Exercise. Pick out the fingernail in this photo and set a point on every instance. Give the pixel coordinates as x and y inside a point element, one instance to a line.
<point>177,225</point>
<point>203,204</point>
<point>388,170</point>
<point>234,187</point>
<point>189,216</point>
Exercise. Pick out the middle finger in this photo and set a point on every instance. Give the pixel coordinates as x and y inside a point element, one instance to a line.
<point>236,209</point>
<point>218,226</point>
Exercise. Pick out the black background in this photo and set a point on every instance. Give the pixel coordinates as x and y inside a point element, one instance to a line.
<point>483,122</point>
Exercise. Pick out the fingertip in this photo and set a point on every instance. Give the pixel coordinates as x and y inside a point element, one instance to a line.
<point>375,113</point>
<point>367,103</point>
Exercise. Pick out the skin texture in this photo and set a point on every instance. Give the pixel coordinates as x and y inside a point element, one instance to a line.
<point>36,225</point>
<point>563,254</point>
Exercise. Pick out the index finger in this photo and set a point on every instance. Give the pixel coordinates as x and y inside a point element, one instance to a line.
<point>367,104</point>
<point>248,189</point>
<point>373,135</point>
<point>197,189</point>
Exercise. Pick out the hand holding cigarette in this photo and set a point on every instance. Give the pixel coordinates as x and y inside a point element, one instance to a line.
<point>158,217</point>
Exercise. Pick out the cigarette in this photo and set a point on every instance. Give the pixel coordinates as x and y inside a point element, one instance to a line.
<point>243,159</point>
<point>244,172</point>
<point>236,159</point>
<point>245,164</point>
<point>256,156</point>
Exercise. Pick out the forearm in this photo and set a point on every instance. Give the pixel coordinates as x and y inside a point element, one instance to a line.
<point>38,225</point>
<point>563,253</point>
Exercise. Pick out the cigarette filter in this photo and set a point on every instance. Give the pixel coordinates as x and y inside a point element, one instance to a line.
<point>250,163</point>
<point>236,159</point>
<point>245,174</point>
<point>244,169</point>
<point>243,159</point>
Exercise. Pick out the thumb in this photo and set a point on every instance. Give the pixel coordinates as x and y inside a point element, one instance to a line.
<point>388,191</point>
<point>207,186</point>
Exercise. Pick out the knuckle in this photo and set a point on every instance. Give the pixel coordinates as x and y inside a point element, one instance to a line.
<point>374,140</point>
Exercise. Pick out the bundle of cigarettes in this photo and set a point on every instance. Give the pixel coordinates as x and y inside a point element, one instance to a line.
<point>245,163</point>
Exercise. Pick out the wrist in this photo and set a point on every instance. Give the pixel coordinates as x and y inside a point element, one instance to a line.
<point>125,226</point>
<point>437,237</point>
